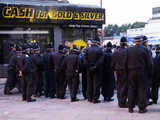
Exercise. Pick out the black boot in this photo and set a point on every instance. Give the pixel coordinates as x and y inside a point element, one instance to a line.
<point>24,98</point>
<point>123,106</point>
<point>108,99</point>
<point>96,101</point>
<point>130,110</point>
<point>89,99</point>
<point>31,100</point>
<point>74,100</point>
<point>143,110</point>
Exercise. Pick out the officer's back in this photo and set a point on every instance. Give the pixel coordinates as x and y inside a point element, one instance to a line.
<point>59,56</point>
<point>71,62</point>
<point>137,57</point>
<point>93,54</point>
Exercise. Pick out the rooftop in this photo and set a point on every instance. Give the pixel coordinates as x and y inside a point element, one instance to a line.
<point>44,3</point>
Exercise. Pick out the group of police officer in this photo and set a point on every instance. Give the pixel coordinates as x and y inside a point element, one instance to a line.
<point>129,69</point>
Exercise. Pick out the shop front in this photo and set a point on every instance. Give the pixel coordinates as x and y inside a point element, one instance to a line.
<point>46,23</point>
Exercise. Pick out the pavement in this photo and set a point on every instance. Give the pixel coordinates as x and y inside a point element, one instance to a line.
<point>13,108</point>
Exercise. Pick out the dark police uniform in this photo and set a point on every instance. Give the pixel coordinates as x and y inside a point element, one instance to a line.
<point>94,58</point>
<point>71,66</point>
<point>27,81</point>
<point>12,75</point>
<point>156,77</point>
<point>108,81</point>
<point>83,70</point>
<point>139,66</point>
<point>37,68</point>
<point>60,74</point>
<point>50,85</point>
<point>118,65</point>
<point>14,67</point>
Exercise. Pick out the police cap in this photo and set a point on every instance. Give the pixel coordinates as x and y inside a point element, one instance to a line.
<point>158,50</point>
<point>140,39</point>
<point>60,47</point>
<point>18,48</point>
<point>109,45</point>
<point>123,40</point>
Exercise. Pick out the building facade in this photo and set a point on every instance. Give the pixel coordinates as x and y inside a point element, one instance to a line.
<point>151,29</point>
<point>46,22</point>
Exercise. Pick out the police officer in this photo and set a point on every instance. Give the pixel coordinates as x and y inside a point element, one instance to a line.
<point>19,67</point>
<point>108,82</point>
<point>37,68</point>
<point>118,65</point>
<point>94,58</point>
<point>83,69</point>
<point>156,77</point>
<point>71,66</point>
<point>13,73</point>
<point>27,81</point>
<point>50,84</point>
<point>60,73</point>
<point>139,66</point>
<point>12,50</point>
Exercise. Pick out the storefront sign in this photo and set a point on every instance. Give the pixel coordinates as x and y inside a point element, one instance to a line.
<point>35,14</point>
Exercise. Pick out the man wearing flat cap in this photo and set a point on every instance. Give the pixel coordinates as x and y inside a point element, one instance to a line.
<point>139,68</point>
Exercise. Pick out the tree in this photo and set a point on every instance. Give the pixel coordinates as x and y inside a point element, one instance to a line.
<point>112,30</point>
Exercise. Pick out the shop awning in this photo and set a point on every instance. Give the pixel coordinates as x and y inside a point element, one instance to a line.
<point>40,12</point>
<point>23,32</point>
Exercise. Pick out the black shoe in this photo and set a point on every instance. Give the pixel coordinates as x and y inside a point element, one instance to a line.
<point>31,100</point>
<point>74,100</point>
<point>24,99</point>
<point>51,97</point>
<point>85,98</point>
<point>130,110</point>
<point>108,99</point>
<point>143,110</point>
<point>62,97</point>
<point>89,100</point>
<point>150,103</point>
<point>123,106</point>
<point>154,102</point>
<point>96,101</point>
<point>46,95</point>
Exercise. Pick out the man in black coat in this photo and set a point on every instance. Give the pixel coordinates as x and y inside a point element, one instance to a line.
<point>83,70</point>
<point>27,81</point>
<point>13,71</point>
<point>37,68</point>
<point>118,65</point>
<point>94,58</point>
<point>71,66</point>
<point>12,50</point>
<point>156,77</point>
<point>108,81</point>
<point>61,83</point>
<point>139,68</point>
<point>50,84</point>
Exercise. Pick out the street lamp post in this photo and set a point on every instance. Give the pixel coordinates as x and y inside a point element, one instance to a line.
<point>101,3</point>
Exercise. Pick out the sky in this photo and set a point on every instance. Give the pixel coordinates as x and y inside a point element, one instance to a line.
<point>124,11</point>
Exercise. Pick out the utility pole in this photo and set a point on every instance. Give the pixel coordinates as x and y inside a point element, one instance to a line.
<point>101,3</point>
